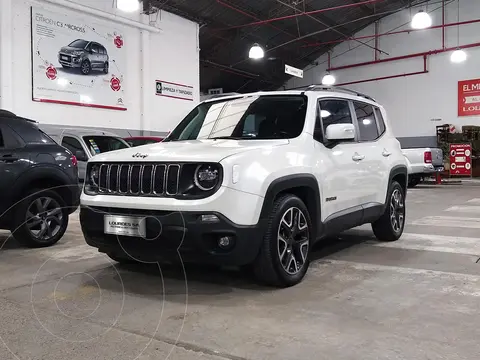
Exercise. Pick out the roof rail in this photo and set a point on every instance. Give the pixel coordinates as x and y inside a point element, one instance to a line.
<point>315,87</point>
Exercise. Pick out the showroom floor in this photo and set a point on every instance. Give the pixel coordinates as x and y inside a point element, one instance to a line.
<point>417,298</point>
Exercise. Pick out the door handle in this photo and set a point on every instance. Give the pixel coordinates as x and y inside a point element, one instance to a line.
<point>386,153</point>
<point>8,158</point>
<point>358,157</point>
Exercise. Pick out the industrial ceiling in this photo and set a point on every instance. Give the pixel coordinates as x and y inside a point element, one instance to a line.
<point>293,32</point>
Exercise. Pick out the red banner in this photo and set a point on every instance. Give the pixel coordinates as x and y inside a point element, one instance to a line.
<point>461,159</point>
<point>469,97</point>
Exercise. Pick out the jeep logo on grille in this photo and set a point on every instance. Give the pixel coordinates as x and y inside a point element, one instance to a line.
<point>138,155</point>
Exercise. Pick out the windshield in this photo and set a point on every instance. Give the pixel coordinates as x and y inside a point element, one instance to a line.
<point>254,117</point>
<point>101,144</point>
<point>81,44</point>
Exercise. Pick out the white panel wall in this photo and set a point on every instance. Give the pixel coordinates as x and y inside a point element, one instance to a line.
<point>412,102</point>
<point>171,55</point>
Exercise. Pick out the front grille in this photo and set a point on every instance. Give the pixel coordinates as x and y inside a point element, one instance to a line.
<point>139,179</point>
<point>67,58</point>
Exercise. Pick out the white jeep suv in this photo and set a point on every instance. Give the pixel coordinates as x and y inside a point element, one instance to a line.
<point>254,179</point>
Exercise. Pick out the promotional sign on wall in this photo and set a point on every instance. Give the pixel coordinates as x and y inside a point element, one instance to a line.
<point>173,90</point>
<point>77,62</point>
<point>461,159</point>
<point>469,97</point>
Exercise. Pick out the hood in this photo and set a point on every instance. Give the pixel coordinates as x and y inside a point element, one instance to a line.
<point>184,151</point>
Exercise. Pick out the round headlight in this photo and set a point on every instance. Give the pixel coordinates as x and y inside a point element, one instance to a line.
<point>206,177</point>
<point>94,175</point>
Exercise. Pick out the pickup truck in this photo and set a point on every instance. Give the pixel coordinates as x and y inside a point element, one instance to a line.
<point>422,163</point>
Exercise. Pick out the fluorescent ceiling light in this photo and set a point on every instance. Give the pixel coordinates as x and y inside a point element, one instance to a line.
<point>458,56</point>
<point>421,20</point>
<point>328,79</point>
<point>256,52</point>
<point>128,5</point>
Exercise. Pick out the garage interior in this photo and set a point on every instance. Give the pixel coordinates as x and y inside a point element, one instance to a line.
<point>415,298</point>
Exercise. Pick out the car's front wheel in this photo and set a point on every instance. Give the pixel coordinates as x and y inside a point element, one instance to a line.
<point>85,67</point>
<point>284,255</point>
<point>40,219</point>
<point>390,225</point>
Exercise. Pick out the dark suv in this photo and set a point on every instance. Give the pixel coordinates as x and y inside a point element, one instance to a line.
<point>38,183</point>
<point>84,55</point>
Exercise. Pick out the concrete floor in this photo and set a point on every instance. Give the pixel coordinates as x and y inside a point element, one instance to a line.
<point>418,298</point>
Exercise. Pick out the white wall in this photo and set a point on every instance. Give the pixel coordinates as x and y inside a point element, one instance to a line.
<point>412,102</point>
<point>171,55</point>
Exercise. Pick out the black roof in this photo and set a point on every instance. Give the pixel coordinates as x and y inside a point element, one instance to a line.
<point>228,28</point>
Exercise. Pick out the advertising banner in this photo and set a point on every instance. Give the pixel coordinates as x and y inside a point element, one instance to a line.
<point>173,90</point>
<point>461,159</point>
<point>469,97</point>
<point>77,62</point>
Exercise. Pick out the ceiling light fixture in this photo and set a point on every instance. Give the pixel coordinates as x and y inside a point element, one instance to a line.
<point>328,80</point>
<point>421,20</point>
<point>458,56</point>
<point>128,5</point>
<point>256,52</point>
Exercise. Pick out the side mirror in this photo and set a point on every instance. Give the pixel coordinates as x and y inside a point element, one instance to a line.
<point>339,132</point>
<point>81,156</point>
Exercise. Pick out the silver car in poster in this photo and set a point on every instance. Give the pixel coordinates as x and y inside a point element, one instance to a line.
<point>85,56</point>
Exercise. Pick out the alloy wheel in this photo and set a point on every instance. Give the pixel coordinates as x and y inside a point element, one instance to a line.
<point>397,210</point>
<point>293,240</point>
<point>44,218</point>
<point>85,67</point>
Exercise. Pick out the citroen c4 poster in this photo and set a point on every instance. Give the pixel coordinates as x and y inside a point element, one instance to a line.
<point>77,62</point>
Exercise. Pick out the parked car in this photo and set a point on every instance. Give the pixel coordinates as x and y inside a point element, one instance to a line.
<point>422,163</point>
<point>142,140</point>
<point>253,180</point>
<point>39,183</point>
<point>86,143</point>
<point>84,55</point>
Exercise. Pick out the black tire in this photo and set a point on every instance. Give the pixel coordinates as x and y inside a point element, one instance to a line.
<point>105,68</point>
<point>268,267</point>
<point>413,181</point>
<point>30,230</point>
<point>384,228</point>
<point>122,259</point>
<point>85,67</point>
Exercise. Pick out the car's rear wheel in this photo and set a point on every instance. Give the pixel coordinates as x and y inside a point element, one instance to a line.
<point>85,67</point>
<point>105,68</point>
<point>390,226</point>
<point>40,219</point>
<point>284,255</point>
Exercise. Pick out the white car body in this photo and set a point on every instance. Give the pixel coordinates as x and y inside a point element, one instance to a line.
<point>352,177</point>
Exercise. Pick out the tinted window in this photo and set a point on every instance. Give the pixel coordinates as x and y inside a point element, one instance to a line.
<point>367,125</point>
<point>335,112</point>
<point>78,44</point>
<point>102,144</point>
<point>72,144</point>
<point>103,50</point>
<point>95,48</point>
<point>380,121</point>
<point>30,133</point>
<point>255,117</point>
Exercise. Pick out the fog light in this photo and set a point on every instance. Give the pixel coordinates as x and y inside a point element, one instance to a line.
<point>209,218</point>
<point>225,242</point>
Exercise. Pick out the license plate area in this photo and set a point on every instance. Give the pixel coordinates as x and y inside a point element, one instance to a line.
<point>64,57</point>
<point>134,226</point>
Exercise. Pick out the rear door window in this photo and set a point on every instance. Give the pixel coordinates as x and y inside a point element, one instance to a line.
<point>72,144</point>
<point>367,124</point>
<point>380,121</point>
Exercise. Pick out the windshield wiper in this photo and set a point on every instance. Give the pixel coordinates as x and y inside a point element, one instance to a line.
<point>227,138</point>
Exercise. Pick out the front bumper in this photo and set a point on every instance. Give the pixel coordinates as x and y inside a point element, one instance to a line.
<point>172,235</point>
<point>69,60</point>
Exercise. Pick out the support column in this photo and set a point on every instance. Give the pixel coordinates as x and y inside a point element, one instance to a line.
<point>6,55</point>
